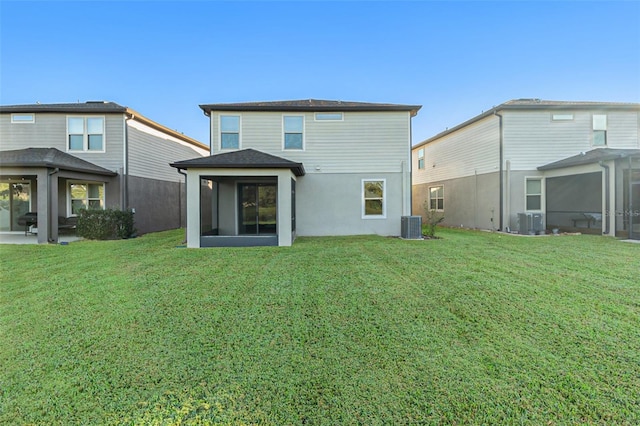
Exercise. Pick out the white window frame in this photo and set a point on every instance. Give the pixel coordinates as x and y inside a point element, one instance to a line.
<point>599,124</point>
<point>364,199</point>
<point>324,117</point>
<point>436,198</point>
<point>421,161</point>
<point>17,118</point>
<point>77,182</point>
<point>85,135</point>
<point>284,148</point>
<point>220,131</point>
<point>541,195</point>
<point>562,117</point>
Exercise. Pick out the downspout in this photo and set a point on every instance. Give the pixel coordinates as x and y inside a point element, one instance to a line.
<point>180,204</point>
<point>501,223</point>
<point>51,218</point>
<point>630,195</point>
<point>410,167</point>
<point>125,172</point>
<point>606,197</point>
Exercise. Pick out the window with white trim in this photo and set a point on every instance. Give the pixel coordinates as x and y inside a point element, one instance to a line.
<point>229,132</point>
<point>533,194</point>
<point>85,134</point>
<point>562,117</point>
<point>293,129</point>
<point>84,195</point>
<point>373,199</point>
<point>23,118</point>
<point>421,158</point>
<point>436,198</point>
<point>599,130</point>
<point>328,116</point>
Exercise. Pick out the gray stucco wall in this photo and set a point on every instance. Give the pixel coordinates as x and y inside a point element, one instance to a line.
<point>331,204</point>
<point>469,202</point>
<point>159,205</point>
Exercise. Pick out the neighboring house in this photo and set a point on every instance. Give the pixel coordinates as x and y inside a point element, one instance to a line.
<point>58,158</point>
<point>528,165</point>
<point>307,168</point>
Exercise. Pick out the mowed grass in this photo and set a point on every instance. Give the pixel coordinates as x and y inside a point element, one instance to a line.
<point>474,328</point>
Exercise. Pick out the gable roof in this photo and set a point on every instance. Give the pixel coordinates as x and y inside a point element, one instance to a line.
<point>309,105</point>
<point>245,158</point>
<point>99,107</point>
<point>593,156</point>
<point>537,104</point>
<point>51,158</point>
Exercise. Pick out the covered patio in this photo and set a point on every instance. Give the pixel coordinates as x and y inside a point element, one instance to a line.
<point>595,192</point>
<point>47,185</point>
<point>240,199</point>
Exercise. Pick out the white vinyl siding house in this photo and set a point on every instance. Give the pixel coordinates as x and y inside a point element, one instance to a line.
<point>518,157</point>
<point>97,155</point>
<point>339,148</point>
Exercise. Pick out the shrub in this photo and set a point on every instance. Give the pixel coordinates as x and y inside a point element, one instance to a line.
<point>105,224</point>
<point>432,219</point>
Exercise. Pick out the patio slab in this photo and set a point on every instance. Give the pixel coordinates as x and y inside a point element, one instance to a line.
<point>20,238</point>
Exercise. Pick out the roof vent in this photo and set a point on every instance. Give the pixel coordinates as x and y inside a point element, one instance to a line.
<point>97,102</point>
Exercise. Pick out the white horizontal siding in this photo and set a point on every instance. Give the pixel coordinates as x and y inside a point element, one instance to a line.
<point>533,139</point>
<point>471,150</point>
<point>623,130</point>
<point>151,152</point>
<point>363,142</point>
<point>50,131</point>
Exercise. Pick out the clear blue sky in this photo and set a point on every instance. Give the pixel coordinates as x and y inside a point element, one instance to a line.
<point>455,58</point>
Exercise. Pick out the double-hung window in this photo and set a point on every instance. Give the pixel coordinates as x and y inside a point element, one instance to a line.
<point>599,130</point>
<point>533,194</point>
<point>293,126</point>
<point>373,199</point>
<point>421,158</point>
<point>436,198</point>
<point>229,132</point>
<point>85,134</point>
<point>83,195</point>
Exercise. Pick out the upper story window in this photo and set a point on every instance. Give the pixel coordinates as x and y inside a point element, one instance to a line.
<point>599,130</point>
<point>328,116</point>
<point>293,126</point>
<point>373,201</point>
<point>436,198</point>
<point>562,117</point>
<point>421,158</point>
<point>85,134</point>
<point>229,132</point>
<point>533,194</point>
<point>23,118</point>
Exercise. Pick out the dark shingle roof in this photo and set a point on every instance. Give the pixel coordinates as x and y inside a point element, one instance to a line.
<point>589,157</point>
<point>309,105</point>
<point>85,107</point>
<point>245,158</point>
<point>542,103</point>
<point>50,157</point>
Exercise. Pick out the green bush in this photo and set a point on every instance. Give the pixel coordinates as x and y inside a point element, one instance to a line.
<point>432,219</point>
<point>105,224</point>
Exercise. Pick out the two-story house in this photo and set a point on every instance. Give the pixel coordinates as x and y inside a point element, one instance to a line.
<point>530,165</point>
<point>58,158</point>
<point>307,168</point>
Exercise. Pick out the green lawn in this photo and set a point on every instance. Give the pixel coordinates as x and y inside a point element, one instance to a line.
<point>474,328</point>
